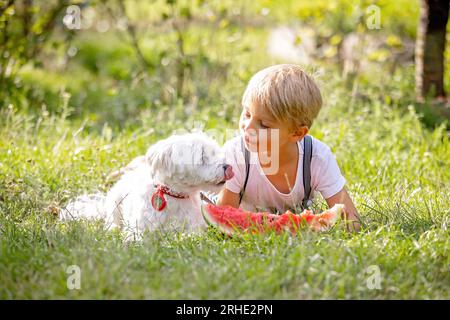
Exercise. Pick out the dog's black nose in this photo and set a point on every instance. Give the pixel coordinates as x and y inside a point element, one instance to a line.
<point>225,166</point>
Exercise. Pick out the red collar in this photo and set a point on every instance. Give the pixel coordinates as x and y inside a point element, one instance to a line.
<point>159,201</point>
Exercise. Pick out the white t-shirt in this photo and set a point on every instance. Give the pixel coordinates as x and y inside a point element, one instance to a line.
<point>261,195</point>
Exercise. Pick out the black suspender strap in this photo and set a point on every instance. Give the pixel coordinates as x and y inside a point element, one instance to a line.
<point>247,168</point>
<point>307,156</point>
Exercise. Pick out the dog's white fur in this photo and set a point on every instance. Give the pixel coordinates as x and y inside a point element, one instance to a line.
<point>185,163</point>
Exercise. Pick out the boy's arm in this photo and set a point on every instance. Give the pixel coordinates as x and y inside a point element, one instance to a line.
<point>226,197</point>
<point>350,212</point>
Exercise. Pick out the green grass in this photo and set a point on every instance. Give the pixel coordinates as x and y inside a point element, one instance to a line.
<point>397,172</point>
<point>95,119</point>
<point>200,267</point>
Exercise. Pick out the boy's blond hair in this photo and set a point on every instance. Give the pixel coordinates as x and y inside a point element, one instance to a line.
<point>287,92</point>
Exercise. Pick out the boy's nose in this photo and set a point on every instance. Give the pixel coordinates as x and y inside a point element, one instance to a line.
<point>244,123</point>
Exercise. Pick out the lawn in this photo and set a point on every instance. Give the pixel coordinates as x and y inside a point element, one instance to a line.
<point>396,160</point>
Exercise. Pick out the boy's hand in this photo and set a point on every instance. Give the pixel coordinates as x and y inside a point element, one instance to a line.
<point>350,214</point>
<point>226,197</point>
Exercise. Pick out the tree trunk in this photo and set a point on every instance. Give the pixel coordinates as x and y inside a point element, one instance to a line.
<point>430,47</point>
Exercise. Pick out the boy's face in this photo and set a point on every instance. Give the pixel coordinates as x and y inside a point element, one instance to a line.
<point>262,132</point>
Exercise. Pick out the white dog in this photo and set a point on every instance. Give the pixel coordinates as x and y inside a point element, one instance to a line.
<point>160,189</point>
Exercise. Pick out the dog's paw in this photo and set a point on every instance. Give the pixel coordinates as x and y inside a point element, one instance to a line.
<point>209,197</point>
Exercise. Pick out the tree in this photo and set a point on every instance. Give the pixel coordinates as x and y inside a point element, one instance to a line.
<point>430,47</point>
<point>25,27</point>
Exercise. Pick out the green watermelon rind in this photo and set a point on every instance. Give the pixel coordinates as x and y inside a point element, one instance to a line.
<point>235,228</point>
<point>219,226</point>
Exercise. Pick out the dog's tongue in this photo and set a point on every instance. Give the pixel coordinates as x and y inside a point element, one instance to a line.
<point>229,173</point>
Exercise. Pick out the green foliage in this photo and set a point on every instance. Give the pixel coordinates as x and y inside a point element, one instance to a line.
<point>344,16</point>
<point>25,28</point>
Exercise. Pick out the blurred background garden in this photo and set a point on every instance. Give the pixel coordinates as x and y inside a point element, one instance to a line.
<point>88,85</point>
<point>116,62</point>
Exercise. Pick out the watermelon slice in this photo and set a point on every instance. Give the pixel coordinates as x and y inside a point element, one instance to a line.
<point>229,219</point>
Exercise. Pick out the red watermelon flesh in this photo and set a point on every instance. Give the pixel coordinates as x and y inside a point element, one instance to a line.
<point>230,219</point>
<point>317,222</point>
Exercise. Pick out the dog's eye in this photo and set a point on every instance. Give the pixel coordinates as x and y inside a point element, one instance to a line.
<point>203,156</point>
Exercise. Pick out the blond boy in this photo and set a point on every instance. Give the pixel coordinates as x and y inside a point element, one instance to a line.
<point>279,106</point>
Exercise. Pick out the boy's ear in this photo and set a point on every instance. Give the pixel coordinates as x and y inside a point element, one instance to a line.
<point>299,133</point>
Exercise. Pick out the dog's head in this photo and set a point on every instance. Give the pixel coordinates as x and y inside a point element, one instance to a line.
<point>188,162</point>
